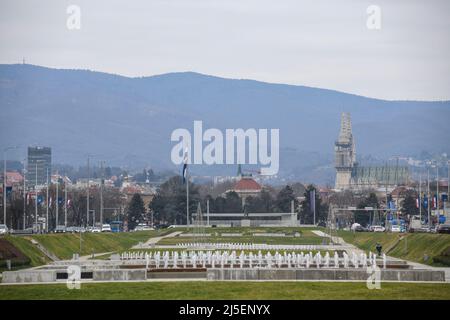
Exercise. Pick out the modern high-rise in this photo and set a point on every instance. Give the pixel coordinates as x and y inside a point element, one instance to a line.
<point>40,159</point>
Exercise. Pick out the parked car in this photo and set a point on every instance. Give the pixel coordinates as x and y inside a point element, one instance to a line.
<point>395,228</point>
<point>106,228</point>
<point>356,227</point>
<point>95,229</point>
<point>3,229</point>
<point>143,227</point>
<point>377,228</point>
<point>443,228</point>
<point>60,229</point>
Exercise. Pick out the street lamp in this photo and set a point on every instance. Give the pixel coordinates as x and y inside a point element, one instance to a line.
<point>4,180</point>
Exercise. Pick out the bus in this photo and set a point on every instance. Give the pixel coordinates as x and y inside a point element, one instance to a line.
<point>116,226</point>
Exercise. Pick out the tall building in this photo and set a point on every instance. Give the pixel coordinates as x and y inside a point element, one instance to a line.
<point>40,159</point>
<point>349,175</point>
<point>345,155</point>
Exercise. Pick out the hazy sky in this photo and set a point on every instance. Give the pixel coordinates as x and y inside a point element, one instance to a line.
<point>314,43</point>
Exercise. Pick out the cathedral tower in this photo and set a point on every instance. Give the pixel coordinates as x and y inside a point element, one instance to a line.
<point>345,155</point>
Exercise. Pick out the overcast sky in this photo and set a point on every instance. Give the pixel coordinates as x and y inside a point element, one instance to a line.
<point>314,43</point>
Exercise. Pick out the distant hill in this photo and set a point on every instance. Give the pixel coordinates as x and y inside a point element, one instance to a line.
<point>128,121</point>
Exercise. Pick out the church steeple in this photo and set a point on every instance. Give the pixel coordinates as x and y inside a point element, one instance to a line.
<point>239,171</point>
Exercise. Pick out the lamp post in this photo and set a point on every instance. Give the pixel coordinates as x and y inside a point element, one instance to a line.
<point>4,181</point>
<point>428,194</point>
<point>46,205</point>
<point>437,192</point>
<point>24,195</point>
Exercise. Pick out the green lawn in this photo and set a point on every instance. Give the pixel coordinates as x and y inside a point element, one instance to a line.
<point>36,257</point>
<point>410,246</point>
<point>228,290</point>
<point>306,236</point>
<point>64,245</point>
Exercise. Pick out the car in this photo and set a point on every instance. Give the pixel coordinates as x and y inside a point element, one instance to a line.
<point>143,227</point>
<point>443,228</point>
<point>3,229</point>
<point>60,229</point>
<point>378,228</point>
<point>396,228</point>
<point>106,228</point>
<point>95,229</point>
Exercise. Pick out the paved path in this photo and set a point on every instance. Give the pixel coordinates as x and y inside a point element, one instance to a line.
<point>338,240</point>
<point>152,241</point>
<point>90,256</point>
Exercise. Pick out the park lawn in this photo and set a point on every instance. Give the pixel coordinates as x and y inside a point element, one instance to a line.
<point>229,290</point>
<point>410,246</point>
<point>246,239</point>
<point>35,255</point>
<point>306,236</point>
<point>64,245</point>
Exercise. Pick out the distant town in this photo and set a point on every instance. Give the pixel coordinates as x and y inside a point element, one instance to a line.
<point>43,197</point>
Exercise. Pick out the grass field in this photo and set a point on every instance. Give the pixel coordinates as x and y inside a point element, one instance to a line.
<point>27,248</point>
<point>306,236</point>
<point>418,247</point>
<point>228,290</point>
<point>64,245</point>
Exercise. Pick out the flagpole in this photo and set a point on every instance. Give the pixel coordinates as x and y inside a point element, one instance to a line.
<point>24,195</point>
<point>65,204</point>
<point>420,197</point>
<point>57,200</point>
<point>46,202</point>
<point>187,196</point>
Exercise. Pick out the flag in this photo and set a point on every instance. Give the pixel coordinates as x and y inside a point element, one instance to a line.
<point>28,198</point>
<point>185,165</point>
<point>60,201</point>
<point>425,202</point>
<point>40,199</point>
<point>434,201</point>
<point>418,202</point>
<point>50,202</point>
<point>69,203</point>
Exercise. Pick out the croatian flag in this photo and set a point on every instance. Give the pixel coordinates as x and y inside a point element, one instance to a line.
<point>50,202</point>
<point>434,201</point>
<point>185,165</point>
<point>69,203</point>
<point>417,202</point>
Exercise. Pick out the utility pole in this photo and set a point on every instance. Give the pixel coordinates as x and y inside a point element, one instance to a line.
<point>46,205</point>
<point>35,200</point>
<point>87,198</point>
<point>65,204</point>
<point>428,196</point>
<point>420,196</point>
<point>101,192</point>
<point>24,196</point>
<point>57,200</point>
<point>437,192</point>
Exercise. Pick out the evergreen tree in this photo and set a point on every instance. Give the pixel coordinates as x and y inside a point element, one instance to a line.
<point>307,213</point>
<point>135,211</point>
<point>284,198</point>
<point>409,205</point>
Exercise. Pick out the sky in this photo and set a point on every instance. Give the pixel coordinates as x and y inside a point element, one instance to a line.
<point>320,43</point>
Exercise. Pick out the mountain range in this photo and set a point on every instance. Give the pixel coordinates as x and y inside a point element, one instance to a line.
<point>128,121</point>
